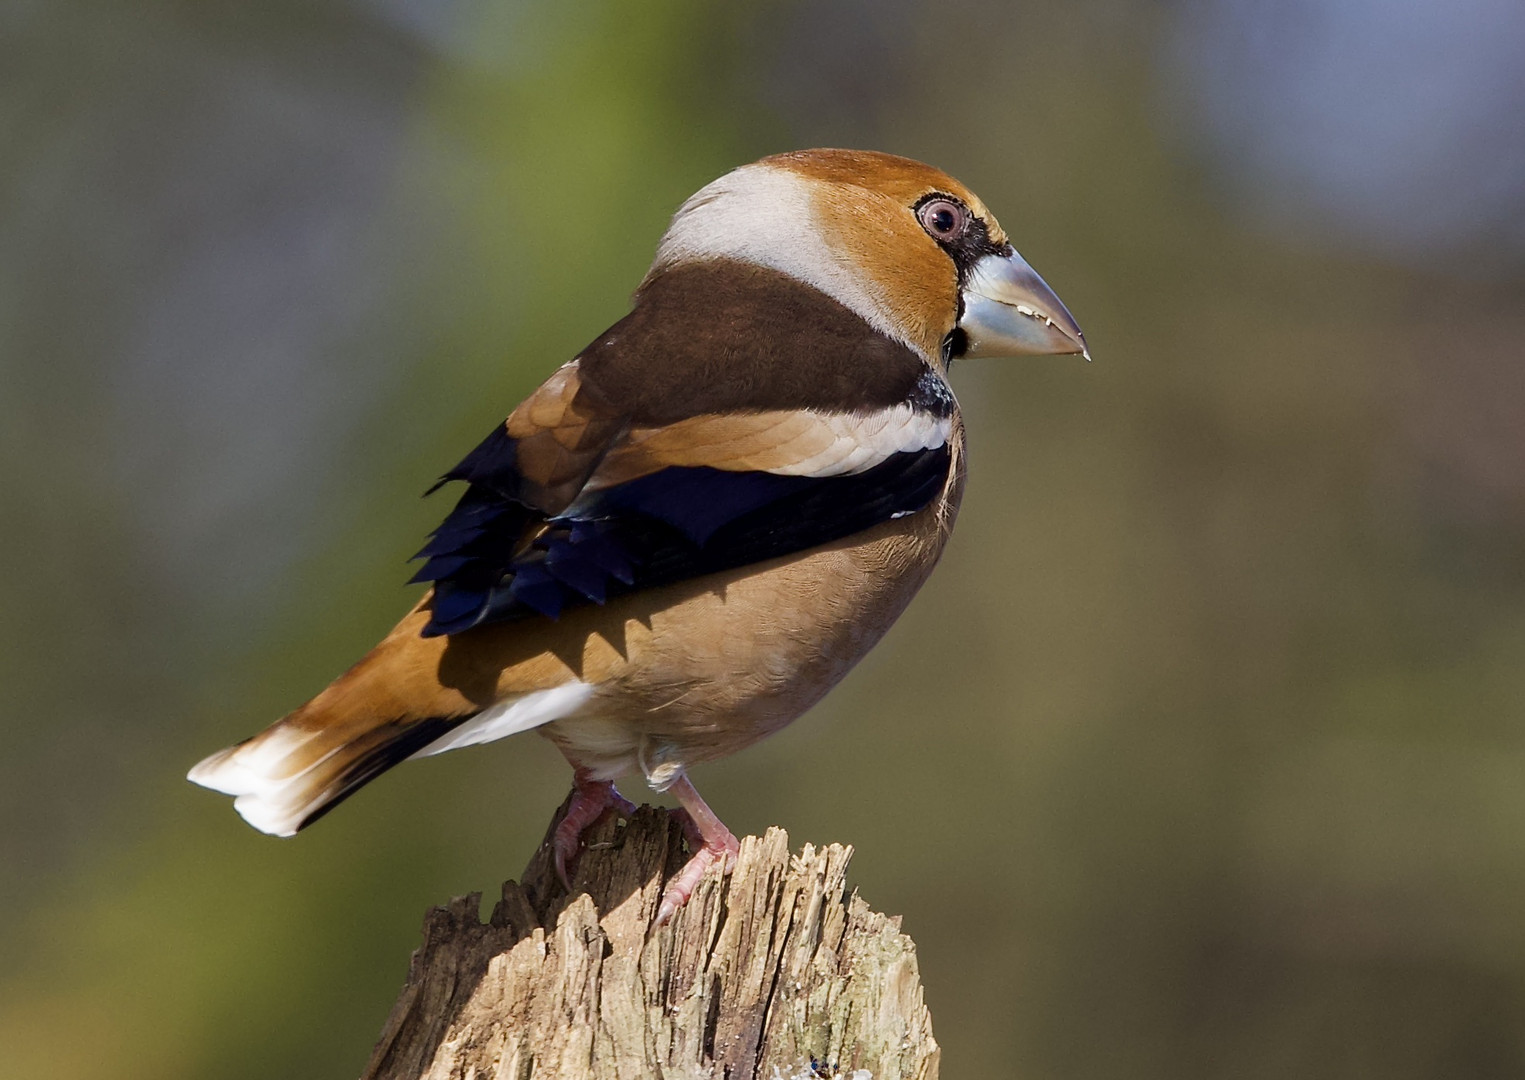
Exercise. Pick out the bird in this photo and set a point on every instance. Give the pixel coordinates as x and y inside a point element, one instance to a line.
<point>694,528</point>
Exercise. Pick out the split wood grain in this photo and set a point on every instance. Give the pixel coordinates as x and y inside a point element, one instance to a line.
<point>775,972</point>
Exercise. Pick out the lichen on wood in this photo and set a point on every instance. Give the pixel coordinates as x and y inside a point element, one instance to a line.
<point>774,972</point>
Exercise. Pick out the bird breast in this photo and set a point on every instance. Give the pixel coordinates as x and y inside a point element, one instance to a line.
<point>701,669</point>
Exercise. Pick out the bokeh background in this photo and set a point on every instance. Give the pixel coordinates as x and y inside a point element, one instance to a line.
<point>1203,754</point>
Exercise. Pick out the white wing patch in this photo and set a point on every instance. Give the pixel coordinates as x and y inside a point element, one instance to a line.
<point>788,442</point>
<point>861,442</point>
<point>866,441</point>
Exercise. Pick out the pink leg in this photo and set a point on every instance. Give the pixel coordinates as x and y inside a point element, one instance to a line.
<point>591,799</point>
<point>710,839</point>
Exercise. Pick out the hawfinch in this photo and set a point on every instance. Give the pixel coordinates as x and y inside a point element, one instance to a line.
<point>691,531</point>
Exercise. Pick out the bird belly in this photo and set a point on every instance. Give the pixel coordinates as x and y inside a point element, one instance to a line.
<point>702,669</point>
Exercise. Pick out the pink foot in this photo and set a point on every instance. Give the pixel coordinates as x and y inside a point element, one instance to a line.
<point>711,842</point>
<point>591,799</point>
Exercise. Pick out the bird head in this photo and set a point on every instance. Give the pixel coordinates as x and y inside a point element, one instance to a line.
<point>904,245</point>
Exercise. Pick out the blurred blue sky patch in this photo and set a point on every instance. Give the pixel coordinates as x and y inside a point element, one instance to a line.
<point>1395,124</point>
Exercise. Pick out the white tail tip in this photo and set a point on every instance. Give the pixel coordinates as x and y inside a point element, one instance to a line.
<point>268,794</point>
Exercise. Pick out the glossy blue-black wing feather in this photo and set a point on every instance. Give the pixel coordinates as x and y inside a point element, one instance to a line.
<point>470,552</point>
<point>496,557</point>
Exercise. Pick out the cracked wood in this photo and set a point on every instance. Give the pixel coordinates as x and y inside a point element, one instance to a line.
<point>777,971</point>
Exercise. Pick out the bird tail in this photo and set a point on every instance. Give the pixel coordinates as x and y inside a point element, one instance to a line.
<point>289,775</point>
<point>382,711</point>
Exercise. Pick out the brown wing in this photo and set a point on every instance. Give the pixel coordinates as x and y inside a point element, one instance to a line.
<point>559,434</point>
<point>568,502</point>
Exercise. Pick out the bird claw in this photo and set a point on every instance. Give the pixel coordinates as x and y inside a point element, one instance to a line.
<point>591,801</point>
<point>710,840</point>
<point>683,884</point>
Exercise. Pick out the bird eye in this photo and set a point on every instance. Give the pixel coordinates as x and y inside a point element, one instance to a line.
<point>943,219</point>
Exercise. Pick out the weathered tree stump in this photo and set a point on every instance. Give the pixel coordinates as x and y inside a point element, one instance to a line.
<point>776,972</point>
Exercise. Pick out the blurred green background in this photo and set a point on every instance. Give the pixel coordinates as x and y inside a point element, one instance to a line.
<point>1203,753</point>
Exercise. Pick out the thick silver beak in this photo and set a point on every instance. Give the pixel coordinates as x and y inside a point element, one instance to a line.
<point>1010,311</point>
